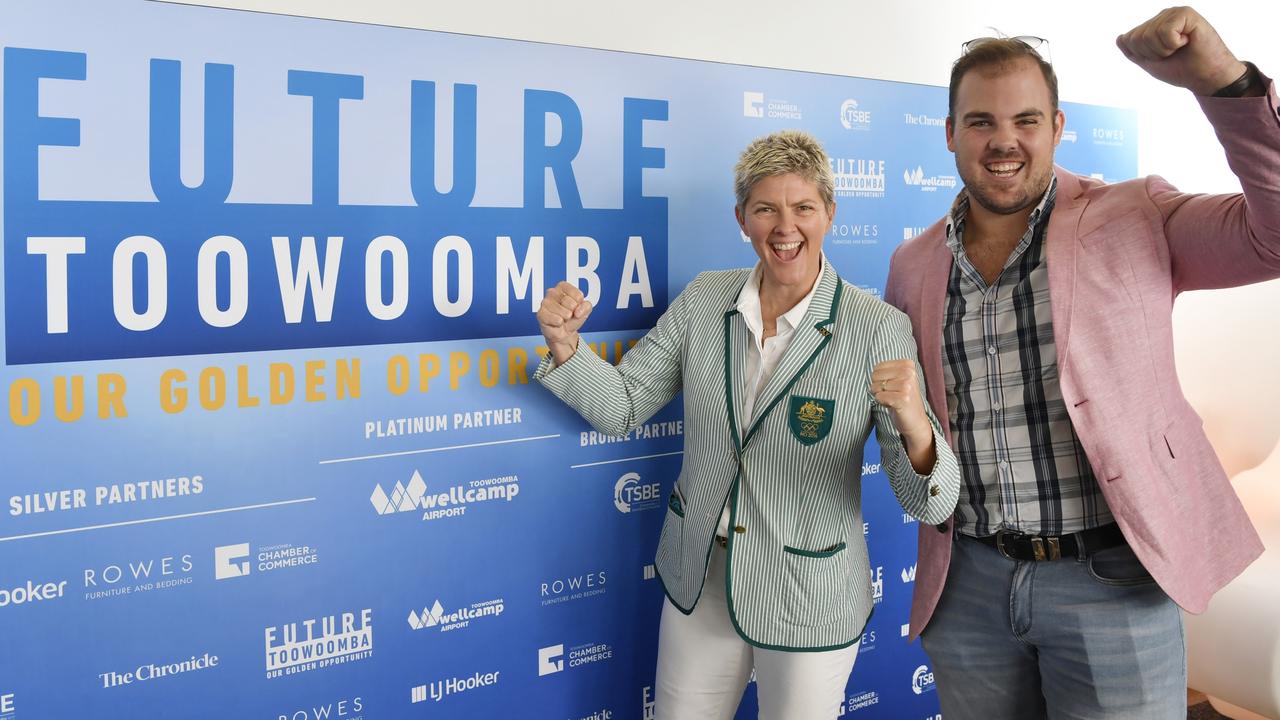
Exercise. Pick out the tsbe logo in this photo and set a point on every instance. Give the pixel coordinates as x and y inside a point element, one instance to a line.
<point>877,584</point>
<point>230,561</point>
<point>550,660</point>
<point>451,503</point>
<point>852,118</point>
<point>753,104</point>
<point>318,643</point>
<point>30,592</point>
<point>922,680</point>
<point>630,494</point>
<point>436,617</point>
<point>345,708</point>
<point>909,574</point>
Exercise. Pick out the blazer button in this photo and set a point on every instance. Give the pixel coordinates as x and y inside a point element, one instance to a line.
<point>942,527</point>
<point>739,529</point>
<point>933,491</point>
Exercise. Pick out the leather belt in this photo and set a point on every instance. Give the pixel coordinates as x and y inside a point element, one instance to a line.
<point>1018,546</point>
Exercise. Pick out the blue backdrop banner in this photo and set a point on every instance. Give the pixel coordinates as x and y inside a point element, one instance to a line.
<point>272,450</point>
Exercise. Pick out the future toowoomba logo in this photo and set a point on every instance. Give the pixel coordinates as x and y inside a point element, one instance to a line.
<point>315,643</point>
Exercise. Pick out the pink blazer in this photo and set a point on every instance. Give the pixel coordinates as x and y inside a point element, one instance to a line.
<point>1118,256</point>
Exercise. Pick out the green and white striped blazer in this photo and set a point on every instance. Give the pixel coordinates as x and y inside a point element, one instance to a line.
<point>798,572</point>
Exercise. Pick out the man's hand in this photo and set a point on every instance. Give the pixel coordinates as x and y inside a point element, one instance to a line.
<point>1181,48</point>
<point>563,311</point>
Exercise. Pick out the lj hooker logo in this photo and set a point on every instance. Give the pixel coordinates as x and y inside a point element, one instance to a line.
<point>319,642</point>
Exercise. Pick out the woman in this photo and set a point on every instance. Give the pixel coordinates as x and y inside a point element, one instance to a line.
<point>785,370</point>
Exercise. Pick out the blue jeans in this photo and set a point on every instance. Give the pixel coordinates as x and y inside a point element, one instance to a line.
<point>1068,639</point>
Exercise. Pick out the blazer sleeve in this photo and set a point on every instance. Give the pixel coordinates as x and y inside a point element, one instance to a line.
<point>617,399</point>
<point>1229,240</point>
<point>928,498</point>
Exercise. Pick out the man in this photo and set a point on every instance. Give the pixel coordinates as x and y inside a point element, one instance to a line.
<point>1092,504</point>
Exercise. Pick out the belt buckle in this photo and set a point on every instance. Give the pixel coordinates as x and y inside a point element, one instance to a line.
<point>1000,536</point>
<point>1046,548</point>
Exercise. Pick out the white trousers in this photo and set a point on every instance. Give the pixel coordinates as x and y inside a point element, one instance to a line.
<point>704,665</point>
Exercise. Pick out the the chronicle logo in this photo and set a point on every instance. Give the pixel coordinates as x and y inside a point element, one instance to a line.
<point>151,671</point>
<point>318,642</point>
<point>922,119</point>
<point>440,689</point>
<point>573,587</point>
<point>133,577</point>
<point>342,709</point>
<point>858,177</point>
<point>927,183</point>
<point>436,617</point>
<point>922,680</point>
<point>629,494</point>
<point>553,658</point>
<point>30,592</point>
<point>231,561</point>
<point>451,503</point>
<point>852,118</point>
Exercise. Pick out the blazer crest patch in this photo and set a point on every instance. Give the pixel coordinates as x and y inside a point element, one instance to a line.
<point>810,418</point>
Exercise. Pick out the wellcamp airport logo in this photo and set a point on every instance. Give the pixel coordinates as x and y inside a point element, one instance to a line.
<point>437,617</point>
<point>453,502</point>
<point>928,183</point>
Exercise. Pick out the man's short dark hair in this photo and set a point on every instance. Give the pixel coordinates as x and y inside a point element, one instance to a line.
<point>1000,53</point>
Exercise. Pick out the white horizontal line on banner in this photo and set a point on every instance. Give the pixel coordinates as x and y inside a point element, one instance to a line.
<point>439,449</point>
<point>641,457</point>
<point>156,519</point>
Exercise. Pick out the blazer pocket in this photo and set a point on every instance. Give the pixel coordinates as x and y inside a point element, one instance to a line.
<point>824,553</point>
<point>675,503</point>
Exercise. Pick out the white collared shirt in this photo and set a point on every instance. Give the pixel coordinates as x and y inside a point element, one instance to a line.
<point>763,356</point>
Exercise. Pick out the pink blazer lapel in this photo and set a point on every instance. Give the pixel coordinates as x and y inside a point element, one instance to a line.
<point>1060,252</point>
<point>933,303</point>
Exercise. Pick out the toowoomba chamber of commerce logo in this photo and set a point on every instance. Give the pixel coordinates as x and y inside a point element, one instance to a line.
<point>555,659</point>
<point>451,502</point>
<point>240,560</point>
<point>316,643</point>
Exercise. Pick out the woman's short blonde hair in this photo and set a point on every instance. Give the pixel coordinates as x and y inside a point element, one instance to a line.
<point>786,151</point>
